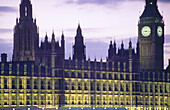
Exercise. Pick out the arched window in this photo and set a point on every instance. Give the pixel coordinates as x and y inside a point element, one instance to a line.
<point>79,75</point>
<point>73,75</point>
<point>85,75</point>
<point>104,76</point>
<point>26,11</point>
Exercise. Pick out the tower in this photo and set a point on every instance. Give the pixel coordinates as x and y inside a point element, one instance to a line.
<point>151,38</point>
<point>26,37</point>
<point>79,47</point>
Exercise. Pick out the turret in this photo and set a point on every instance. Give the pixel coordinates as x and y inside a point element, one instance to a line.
<point>3,58</point>
<point>114,49</point>
<point>79,47</point>
<point>122,46</point>
<point>130,44</point>
<point>25,10</point>
<point>130,49</point>
<point>63,43</point>
<point>53,42</point>
<point>122,49</point>
<point>26,36</point>
<point>110,51</point>
<point>46,38</point>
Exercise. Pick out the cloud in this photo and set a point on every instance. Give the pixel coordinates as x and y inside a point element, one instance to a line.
<point>94,2</point>
<point>102,2</point>
<point>91,1</point>
<point>167,38</point>
<point>7,9</point>
<point>164,0</point>
<point>5,46</point>
<point>3,30</point>
<point>83,29</point>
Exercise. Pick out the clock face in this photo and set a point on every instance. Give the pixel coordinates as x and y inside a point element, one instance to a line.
<point>146,31</point>
<point>159,31</point>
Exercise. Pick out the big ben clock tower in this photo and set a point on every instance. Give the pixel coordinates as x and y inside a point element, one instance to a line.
<point>151,38</point>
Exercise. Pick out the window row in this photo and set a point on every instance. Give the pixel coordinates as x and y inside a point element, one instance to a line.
<point>97,75</point>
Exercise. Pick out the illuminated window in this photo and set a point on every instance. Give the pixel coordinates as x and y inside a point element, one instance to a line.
<point>116,77</point>
<point>98,76</point>
<point>121,77</point>
<point>49,85</point>
<point>26,11</point>
<point>42,83</point>
<point>35,84</point>
<point>92,75</point>
<point>92,85</point>
<point>66,74</point>
<point>85,75</point>
<point>98,86</point>
<point>133,86</point>
<point>127,87</point>
<point>0,85</point>
<point>110,76</point>
<point>73,88</point>
<point>161,89</point>
<point>79,75</point>
<point>73,75</point>
<point>127,77</point>
<point>166,90</point>
<point>14,83</point>
<point>121,87</point>
<point>5,83</point>
<point>85,86</point>
<point>104,76</point>
<point>104,87</point>
<point>156,88</point>
<point>151,88</point>
<point>116,87</point>
<point>79,86</point>
<point>110,87</point>
<point>56,85</point>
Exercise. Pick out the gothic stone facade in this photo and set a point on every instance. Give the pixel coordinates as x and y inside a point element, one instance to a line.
<point>41,76</point>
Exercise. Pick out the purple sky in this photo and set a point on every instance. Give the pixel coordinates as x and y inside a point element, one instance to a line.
<point>101,21</point>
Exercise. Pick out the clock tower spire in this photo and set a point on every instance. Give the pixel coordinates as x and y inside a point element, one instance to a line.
<point>151,38</point>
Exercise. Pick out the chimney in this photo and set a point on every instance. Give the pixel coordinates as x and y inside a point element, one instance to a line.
<point>4,58</point>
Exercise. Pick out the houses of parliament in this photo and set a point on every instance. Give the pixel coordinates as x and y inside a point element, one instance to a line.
<point>40,76</point>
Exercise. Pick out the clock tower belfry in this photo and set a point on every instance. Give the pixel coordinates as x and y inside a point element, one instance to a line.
<point>151,38</point>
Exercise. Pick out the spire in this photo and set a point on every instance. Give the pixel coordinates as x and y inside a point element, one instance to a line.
<point>101,60</point>
<point>110,46</point>
<point>46,37</point>
<point>151,10</point>
<point>114,44</point>
<point>151,3</point>
<point>63,42</point>
<point>89,59</point>
<point>62,36</point>
<point>53,36</point>
<point>130,44</point>
<point>122,45</point>
<point>95,59</point>
<point>79,32</point>
<point>79,47</point>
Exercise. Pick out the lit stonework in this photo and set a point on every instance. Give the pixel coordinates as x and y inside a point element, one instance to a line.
<point>40,76</point>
